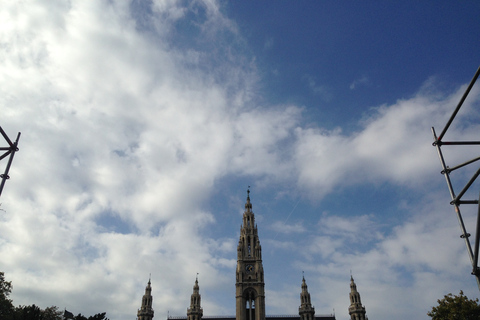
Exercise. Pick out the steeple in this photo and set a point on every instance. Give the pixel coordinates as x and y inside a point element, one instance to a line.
<point>146,312</point>
<point>356,310</point>
<point>306,311</point>
<point>195,312</point>
<point>250,285</point>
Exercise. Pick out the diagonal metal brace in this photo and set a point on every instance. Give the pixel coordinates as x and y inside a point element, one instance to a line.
<point>10,151</point>
<point>457,199</point>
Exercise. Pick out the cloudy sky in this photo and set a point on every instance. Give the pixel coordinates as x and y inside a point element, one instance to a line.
<point>144,122</point>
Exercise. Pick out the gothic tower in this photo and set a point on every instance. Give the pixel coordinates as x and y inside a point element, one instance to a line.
<point>306,311</point>
<point>356,310</point>
<point>250,285</point>
<point>146,312</point>
<point>195,312</point>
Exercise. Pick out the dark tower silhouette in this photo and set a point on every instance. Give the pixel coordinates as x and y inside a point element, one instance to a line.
<point>356,310</point>
<point>146,312</point>
<point>250,284</point>
<point>306,310</point>
<point>195,312</point>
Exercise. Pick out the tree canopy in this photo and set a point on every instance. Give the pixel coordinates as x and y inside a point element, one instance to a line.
<point>32,312</point>
<point>6,305</point>
<point>98,316</point>
<point>453,307</point>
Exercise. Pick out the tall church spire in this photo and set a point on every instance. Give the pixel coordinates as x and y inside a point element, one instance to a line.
<point>250,285</point>
<point>356,310</point>
<point>146,312</point>
<point>195,312</point>
<point>306,311</point>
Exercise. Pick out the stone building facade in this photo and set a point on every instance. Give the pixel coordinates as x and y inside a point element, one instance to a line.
<point>250,286</point>
<point>356,310</point>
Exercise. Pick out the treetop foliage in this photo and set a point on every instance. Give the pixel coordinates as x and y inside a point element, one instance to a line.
<point>32,312</point>
<point>453,307</point>
<point>6,305</point>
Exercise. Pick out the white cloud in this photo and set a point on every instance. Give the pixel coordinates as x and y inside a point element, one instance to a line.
<point>415,264</point>
<point>357,229</point>
<point>317,89</point>
<point>268,44</point>
<point>361,81</point>
<point>285,228</point>
<point>113,125</point>
<point>394,145</point>
<point>125,135</point>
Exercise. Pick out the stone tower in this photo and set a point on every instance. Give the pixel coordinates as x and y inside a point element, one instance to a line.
<point>356,310</point>
<point>195,312</point>
<point>146,312</point>
<point>250,284</point>
<point>306,311</point>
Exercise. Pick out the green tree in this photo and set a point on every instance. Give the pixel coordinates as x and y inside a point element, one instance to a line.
<point>28,313</point>
<point>35,313</point>
<point>52,313</point>
<point>98,316</point>
<point>6,305</point>
<point>456,308</point>
<point>80,317</point>
<point>32,312</point>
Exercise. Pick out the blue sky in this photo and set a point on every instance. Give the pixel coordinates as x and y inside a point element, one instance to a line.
<point>144,122</point>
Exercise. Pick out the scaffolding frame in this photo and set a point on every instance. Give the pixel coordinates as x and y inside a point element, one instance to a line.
<point>9,151</point>
<point>458,200</point>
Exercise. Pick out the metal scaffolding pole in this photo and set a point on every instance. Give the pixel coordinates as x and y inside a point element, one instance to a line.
<point>456,200</point>
<point>9,151</point>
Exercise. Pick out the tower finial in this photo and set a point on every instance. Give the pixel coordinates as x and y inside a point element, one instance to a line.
<point>356,310</point>
<point>248,205</point>
<point>195,311</point>
<point>146,312</point>
<point>306,310</point>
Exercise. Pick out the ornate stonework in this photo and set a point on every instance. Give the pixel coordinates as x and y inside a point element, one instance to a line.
<point>306,310</point>
<point>356,310</point>
<point>146,312</point>
<point>250,285</point>
<point>195,312</point>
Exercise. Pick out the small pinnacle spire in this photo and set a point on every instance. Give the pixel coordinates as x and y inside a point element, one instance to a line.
<point>195,286</point>
<point>306,310</point>
<point>195,311</point>
<point>146,312</point>
<point>356,310</point>
<point>304,283</point>
<point>353,285</point>
<point>248,205</point>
